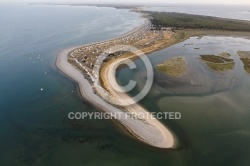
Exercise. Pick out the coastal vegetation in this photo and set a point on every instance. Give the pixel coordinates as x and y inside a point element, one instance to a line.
<point>150,37</point>
<point>245,58</point>
<point>180,35</point>
<point>174,67</point>
<point>190,21</point>
<point>215,59</point>
<point>220,62</point>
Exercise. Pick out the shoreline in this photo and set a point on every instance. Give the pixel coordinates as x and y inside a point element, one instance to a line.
<point>87,92</point>
<point>154,134</point>
<point>152,131</point>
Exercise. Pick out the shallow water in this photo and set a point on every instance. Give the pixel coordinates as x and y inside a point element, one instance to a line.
<point>35,130</point>
<point>214,128</point>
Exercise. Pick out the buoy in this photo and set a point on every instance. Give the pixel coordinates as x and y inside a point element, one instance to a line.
<point>41,89</point>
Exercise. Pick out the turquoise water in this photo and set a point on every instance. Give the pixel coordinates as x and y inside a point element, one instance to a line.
<point>35,130</point>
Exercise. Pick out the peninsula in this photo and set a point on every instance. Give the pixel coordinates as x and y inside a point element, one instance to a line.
<point>78,63</point>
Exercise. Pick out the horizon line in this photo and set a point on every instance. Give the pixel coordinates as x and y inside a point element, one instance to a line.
<point>122,3</point>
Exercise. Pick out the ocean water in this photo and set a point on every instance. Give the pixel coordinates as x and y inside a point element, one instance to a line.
<point>35,129</point>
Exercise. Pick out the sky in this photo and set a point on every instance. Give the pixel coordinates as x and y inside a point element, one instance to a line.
<point>228,2</point>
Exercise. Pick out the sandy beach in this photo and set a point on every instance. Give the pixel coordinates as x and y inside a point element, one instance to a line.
<point>150,131</point>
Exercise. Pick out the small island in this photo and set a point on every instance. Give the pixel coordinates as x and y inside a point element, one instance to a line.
<point>245,58</point>
<point>220,62</point>
<point>174,67</point>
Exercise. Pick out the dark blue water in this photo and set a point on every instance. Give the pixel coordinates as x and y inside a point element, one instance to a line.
<point>34,124</point>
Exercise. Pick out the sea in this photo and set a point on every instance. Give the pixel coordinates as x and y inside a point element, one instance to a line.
<point>35,97</point>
